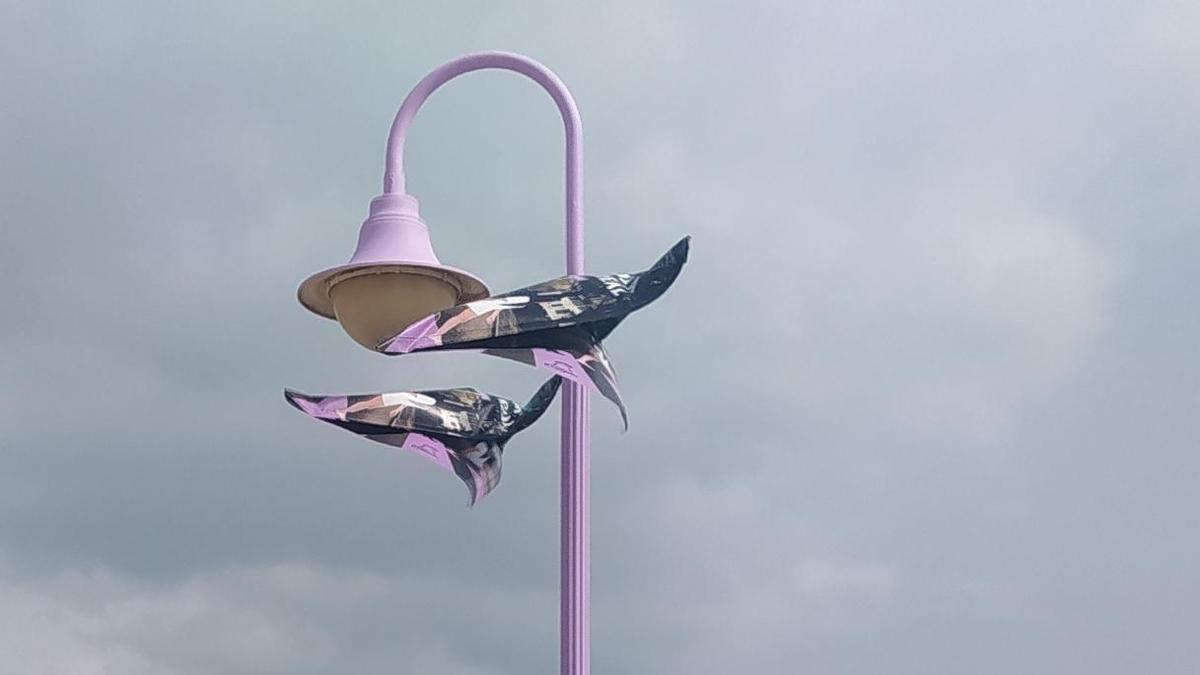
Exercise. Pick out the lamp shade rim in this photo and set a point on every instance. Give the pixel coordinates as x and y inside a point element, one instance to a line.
<point>314,291</point>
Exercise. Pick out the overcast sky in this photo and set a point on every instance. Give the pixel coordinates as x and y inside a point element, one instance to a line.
<point>925,399</point>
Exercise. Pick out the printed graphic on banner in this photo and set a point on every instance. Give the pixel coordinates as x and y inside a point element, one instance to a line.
<point>557,325</point>
<point>463,430</point>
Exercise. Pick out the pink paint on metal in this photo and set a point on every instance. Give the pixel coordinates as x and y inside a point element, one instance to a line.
<point>573,622</point>
<point>393,235</point>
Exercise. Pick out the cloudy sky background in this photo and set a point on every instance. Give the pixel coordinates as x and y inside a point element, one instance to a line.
<point>924,400</point>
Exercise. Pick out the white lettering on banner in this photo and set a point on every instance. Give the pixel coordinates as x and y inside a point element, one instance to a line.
<point>618,284</point>
<point>492,304</point>
<point>453,421</point>
<point>560,309</point>
<point>407,398</point>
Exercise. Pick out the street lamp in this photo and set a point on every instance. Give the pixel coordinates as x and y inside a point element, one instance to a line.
<point>394,278</point>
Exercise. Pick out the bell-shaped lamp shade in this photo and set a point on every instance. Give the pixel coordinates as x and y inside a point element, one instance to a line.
<point>393,279</point>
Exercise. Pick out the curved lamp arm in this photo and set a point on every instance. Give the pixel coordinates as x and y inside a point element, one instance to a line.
<point>393,177</point>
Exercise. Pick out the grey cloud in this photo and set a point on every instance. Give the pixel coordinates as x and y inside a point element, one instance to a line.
<point>277,618</point>
<point>941,289</point>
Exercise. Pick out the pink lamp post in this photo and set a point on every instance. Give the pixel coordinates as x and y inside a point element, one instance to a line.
<point>394,278</point>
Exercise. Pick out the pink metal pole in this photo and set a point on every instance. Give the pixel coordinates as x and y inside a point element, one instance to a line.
<point>573,598</point>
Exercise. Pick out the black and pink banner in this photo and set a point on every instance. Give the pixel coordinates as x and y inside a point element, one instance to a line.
<point>557,325</point>
<point>463,430</point>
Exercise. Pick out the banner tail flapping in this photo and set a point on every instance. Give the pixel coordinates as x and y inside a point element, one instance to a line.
<point>477,463</point>
<point>589,366</point>
<point>538,404</point>
<point>675,257</point>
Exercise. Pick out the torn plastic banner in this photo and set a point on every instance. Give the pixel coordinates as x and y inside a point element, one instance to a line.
<point>557,325</point>
<point>461,430</point>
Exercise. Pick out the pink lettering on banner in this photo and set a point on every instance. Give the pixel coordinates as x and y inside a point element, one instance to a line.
<point>430,448</point>
<point>562,363</point>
